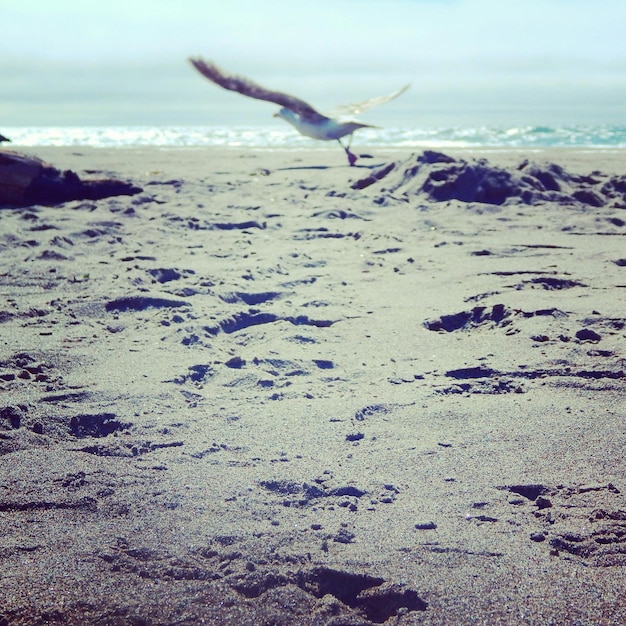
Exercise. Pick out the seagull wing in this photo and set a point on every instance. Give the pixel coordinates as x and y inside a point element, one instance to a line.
<point>246,87</point>
<point>358,107</point>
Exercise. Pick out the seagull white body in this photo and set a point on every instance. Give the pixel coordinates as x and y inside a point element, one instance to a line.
<point>325,130</point>
<point>301,115</point>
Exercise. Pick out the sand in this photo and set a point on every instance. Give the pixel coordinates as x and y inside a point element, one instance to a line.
<point>274,389</point>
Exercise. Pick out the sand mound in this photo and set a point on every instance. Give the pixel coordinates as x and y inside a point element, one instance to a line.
<point>439,178</point>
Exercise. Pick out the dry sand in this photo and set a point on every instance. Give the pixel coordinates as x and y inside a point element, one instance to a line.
<point>261,392</point>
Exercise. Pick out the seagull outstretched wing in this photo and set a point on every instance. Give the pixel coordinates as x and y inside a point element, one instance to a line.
<point>358,107</point>
<point>249,88</point>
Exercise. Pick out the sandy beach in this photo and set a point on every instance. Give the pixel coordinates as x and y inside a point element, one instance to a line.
<point>272,389</point>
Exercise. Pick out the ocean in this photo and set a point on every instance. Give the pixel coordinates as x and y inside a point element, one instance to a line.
<point>278,136</point>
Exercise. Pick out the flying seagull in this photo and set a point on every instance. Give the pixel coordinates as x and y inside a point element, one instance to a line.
<point>298,113</point>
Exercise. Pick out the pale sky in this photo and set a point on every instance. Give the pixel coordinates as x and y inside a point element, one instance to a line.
<point>61,61</point>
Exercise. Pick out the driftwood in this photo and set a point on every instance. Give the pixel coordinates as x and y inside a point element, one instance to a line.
<point>26,180</point>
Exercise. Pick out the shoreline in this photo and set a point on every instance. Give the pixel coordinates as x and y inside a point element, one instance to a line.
<point>590,158</point>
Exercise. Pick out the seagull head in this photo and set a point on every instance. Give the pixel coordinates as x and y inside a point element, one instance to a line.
<point>286,114</point>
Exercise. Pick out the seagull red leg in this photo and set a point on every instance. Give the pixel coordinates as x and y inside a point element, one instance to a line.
<point>351,156</point>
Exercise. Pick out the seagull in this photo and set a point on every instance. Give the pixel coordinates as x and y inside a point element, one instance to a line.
<point>306,120</point>
<point>3,138</point>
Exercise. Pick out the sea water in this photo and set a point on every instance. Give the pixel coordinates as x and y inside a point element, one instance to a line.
<point>279,137</point>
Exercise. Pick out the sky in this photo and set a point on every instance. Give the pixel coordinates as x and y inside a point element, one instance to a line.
<point>71,62</point>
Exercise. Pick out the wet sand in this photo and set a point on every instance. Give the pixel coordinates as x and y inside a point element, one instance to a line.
<point>274,389</point>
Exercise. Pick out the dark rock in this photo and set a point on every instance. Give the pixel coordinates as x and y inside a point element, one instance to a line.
<point>586,334</point>
<point>471,372</point>
<point>164,275</point>
<point>11,416</point>
<point>348,490</point>
<point>99,425</point>
<point>531,492</point>
<point>590,197</point>
<point>26,180</point>
<point>344,536</point>
<point>552,282</point>
<point>355,437</point>
<point>324,364</point>
<point>141,303</point>
<point>374,177</point>
<point>543,502</point>
<point>235,363</point>
<point>498,315</point>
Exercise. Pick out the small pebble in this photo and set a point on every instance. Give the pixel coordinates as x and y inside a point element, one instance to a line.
<point>543,503</point>
<point>516,501</point>
<point>354,436</point>
<point>537,537</point>
<point>344,536</point>
<point>235,363</point>
<point>426,526</point>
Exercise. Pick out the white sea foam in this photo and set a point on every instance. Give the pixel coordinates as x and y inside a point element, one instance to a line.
<point>277,137</point>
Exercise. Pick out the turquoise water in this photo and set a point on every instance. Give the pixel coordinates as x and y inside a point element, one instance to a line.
<point>278,136</point>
